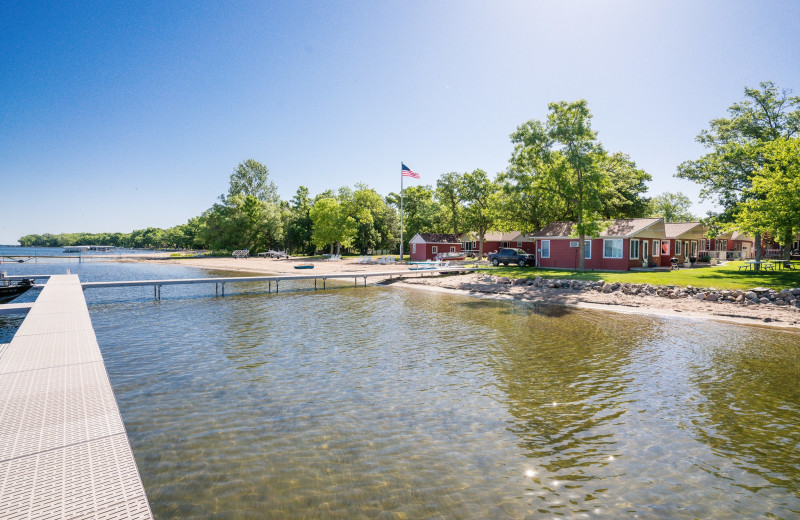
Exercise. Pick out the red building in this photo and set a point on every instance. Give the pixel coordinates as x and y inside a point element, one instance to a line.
<point>684,240</point>
<point>623,244</point>
<point>730,246</point>
<point>494,240</point>
<point>425,246</point>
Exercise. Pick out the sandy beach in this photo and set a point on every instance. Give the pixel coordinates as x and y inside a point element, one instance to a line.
<point>481,285</point>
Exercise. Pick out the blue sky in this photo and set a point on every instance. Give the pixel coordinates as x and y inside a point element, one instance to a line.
<point>122,115</point>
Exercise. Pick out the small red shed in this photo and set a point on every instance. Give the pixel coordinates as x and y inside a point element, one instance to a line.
<point>425,246</point>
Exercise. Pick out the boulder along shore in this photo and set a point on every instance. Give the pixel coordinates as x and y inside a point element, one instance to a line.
<point>759,306</point>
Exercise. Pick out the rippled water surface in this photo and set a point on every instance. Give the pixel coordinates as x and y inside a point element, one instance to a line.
<point>390,403</point>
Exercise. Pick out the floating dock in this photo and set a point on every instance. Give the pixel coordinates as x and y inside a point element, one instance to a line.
<point>64,452</point>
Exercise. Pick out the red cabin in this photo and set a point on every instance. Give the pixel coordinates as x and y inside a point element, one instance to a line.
<point>622,245</point>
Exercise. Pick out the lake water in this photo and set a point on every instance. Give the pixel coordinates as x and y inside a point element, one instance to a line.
<point>382,402</point>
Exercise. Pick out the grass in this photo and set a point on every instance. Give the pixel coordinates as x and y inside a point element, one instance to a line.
<point>726,276</point>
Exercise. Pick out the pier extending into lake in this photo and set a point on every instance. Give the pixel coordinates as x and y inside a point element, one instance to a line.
<point>220,282</point>
<point>64,452</point>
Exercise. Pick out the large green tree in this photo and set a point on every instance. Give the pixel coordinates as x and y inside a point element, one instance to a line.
<point>624,193</point>
<point>672,207</point>
<point>737,147</point>
<point>480,195</point>
<point>252,178</point>
<point>773,203</point>
<point>449,191</point>
<point>242,222</point>
<point>562,157</point>
<point>332,224</point>
<point>299,226</point>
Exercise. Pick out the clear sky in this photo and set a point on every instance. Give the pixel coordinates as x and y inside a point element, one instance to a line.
<point>117,116</point>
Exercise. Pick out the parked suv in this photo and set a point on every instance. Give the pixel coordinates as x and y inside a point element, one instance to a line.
<point>509,255</point>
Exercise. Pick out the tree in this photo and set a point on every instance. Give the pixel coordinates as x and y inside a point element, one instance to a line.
<point>252,178</point>
<point>480,195</point>
<point>737,145</point>
<point>672,207</point>
<point>299,227</point>
<point>562,158</point>
<point>449,189</point>
<point>773,204</point>
<point>624,196</point>
<point>331,223</point>
<point>242,222</point>
<point>373,221</point>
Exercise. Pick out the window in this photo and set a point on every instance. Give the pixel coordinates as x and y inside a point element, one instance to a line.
<point>588,249</point>
<point>452,249</point>
<point>645,249</point>
<point>505,244</point>
<point>656,247</point>
<point>612,248</point>
<point>414,248</point>
<point>665,247</point>
<point>545,249</point>
<point>634,252</point>
<point>703,245</point>
<point>677,247</point>
<point>434,249</point>
<point>519,244</point>
<point>694,248</point>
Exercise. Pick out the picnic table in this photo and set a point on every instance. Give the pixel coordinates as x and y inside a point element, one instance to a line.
<point>750,265</point>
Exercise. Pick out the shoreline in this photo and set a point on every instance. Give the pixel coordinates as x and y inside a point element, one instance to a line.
<point>480,285</point>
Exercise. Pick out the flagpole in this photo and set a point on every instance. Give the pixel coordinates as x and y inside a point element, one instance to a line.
<point>401,211</point>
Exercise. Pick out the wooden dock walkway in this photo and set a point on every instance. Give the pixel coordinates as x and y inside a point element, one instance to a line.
<point>64,452</point>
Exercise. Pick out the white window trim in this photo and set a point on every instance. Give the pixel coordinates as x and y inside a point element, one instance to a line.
<point>587,249</point>
<point>452,249</point>
<point>434,249</point>
<point>645,245</point>
<point>621,248</point>
<point>677,247</point>
<point>656,250</point>
<point>414,248</point>
<point>694,248</point>
<point>542,250</point>
<point>667,244</point>
<point>630,249</point>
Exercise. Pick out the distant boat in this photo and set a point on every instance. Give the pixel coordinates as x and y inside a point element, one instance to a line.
<point>304,266</point>
<point>9,292</point>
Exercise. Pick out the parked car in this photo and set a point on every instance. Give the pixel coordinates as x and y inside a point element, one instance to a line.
<point>509,255</point>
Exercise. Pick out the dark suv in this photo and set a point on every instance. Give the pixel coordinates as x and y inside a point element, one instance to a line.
<point>509,255</point>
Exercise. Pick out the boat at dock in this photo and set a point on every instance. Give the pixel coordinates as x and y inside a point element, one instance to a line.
<point>10,291</point>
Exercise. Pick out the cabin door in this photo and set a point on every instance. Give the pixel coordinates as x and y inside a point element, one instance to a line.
<point>645,251</point>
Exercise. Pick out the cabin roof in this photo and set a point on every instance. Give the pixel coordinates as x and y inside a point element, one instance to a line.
<point>436,238</point>
<point>676,229</point>
<point>624,227</point>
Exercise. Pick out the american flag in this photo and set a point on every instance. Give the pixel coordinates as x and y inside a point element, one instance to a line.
<point>407,172</point>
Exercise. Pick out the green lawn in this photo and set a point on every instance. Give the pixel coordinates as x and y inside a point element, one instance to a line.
<point>720,277</point>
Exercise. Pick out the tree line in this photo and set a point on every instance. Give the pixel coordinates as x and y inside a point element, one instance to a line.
<point>558,171</point>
